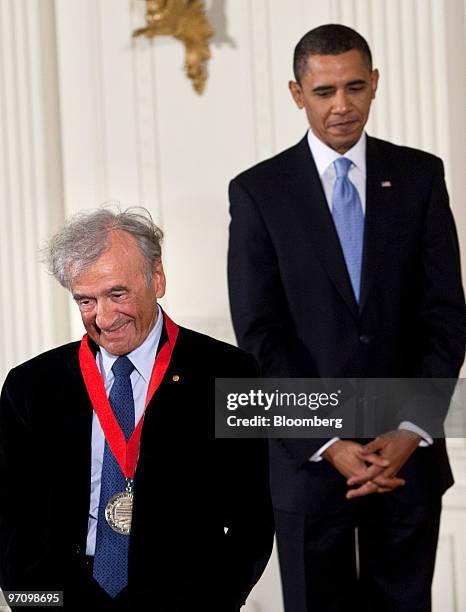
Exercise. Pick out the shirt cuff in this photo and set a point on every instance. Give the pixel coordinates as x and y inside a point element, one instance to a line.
<point>426,439</point>
<point>317,456</point>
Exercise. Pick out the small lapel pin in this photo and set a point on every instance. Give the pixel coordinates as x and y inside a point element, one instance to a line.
<point>386,183</point>
<point>175,377</point>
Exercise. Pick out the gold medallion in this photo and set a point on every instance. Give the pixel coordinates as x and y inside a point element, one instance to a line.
<point>118,512</point>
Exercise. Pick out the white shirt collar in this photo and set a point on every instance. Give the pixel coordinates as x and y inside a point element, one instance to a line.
<point>324,156</point>
<point>143,356</point>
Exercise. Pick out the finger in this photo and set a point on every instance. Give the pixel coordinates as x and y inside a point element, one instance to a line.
<point>373,446</point>
<point>389,483</point>
<point>383,490</point>
<point>368,474</point>
<point>365,489</point>
<point>375,459</point>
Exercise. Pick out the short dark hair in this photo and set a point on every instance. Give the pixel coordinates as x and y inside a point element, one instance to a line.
<point>330,39</point>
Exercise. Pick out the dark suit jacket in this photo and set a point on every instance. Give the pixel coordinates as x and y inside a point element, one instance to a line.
<point>185,494</point>
<point>293,306</point>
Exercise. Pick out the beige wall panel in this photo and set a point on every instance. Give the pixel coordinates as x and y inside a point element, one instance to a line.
<point>32,317</point>
<point>205,140</point>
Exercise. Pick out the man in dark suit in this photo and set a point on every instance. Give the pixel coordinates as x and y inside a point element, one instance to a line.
<point>344,262</point>
<point>118,515</point>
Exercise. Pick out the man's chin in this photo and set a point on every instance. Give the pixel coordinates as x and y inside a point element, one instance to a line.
<point>342,138</point>
<point>116,350</point>
<point>117,347</point>
<point>344,142</point>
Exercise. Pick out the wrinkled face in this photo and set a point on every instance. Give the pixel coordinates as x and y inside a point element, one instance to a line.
<point>117,306</point>
<point>336,92</point>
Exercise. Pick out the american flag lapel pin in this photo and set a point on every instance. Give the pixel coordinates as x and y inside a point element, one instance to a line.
<point>386,183</point>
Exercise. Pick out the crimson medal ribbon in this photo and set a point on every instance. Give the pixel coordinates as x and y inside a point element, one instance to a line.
<point>126,453</point>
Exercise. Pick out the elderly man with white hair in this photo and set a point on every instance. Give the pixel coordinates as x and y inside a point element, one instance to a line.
<point>106,453</point>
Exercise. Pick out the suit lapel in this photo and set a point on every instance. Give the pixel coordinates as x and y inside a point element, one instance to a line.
<point>309,206</point>
<point>381,204</point>
<point>169,383</point>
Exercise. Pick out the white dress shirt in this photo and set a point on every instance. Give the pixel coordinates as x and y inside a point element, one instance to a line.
<point>324,157</point>
<point>142,358</point>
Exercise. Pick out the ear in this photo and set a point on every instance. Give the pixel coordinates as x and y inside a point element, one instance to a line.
<point>374,81</point>
<point>296,92</point>
<point>158,280</point>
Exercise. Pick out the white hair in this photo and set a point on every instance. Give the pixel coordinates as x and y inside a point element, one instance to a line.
<point>84,238</point>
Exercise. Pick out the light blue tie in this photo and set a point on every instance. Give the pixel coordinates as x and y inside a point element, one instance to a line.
<point>349,221</point>
<point>111,552</point>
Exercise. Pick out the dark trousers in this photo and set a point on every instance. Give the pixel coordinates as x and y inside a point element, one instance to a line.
<point>376,554</point>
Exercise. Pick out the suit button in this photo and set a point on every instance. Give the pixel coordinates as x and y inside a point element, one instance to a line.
<point>78,549</point>
<point>365,339</point>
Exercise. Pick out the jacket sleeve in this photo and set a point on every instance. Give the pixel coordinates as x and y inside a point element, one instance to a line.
<point>248,526</point>
<point>258,303</point>
<point>259,309</point>
<point>15,472</point>
<point>442,311</point>
<point>442,315</point>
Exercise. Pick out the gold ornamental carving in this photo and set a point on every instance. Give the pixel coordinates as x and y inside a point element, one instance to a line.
<point>185,20</point>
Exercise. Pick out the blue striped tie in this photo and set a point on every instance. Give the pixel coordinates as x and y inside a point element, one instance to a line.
<point>111,553</point>
<point>349,221</point>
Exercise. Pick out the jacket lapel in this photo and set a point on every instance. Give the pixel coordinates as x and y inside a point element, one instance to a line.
<point>310,208</point>
<point>381,204</point>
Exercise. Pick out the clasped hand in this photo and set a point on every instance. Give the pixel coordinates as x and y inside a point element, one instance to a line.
<point>373,466</point>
